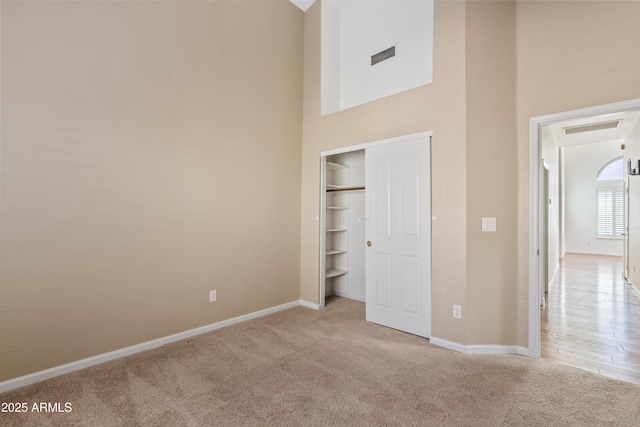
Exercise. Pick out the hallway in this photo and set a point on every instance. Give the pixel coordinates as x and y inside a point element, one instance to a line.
<point>592,318</point>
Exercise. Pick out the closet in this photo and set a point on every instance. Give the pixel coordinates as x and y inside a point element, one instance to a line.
<point>344,225</point>
<point>375,244</point>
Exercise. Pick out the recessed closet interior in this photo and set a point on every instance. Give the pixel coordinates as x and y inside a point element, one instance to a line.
<point>343,225</point>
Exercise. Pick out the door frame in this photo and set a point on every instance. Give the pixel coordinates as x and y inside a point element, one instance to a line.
<point>535,159</point>
<point>323,193</point>
<point>625,244</point>
<point>544,236</point>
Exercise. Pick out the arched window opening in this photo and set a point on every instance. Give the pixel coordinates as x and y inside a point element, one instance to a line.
<point>611,170</point>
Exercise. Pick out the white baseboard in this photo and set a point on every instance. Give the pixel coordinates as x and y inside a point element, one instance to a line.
<point>460,348</point>
<point>309,304</point>
<point>594,253</point>
<point>479,349</point>
<point>127,351</point>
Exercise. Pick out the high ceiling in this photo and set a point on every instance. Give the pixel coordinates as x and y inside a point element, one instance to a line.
<point>619,133</point>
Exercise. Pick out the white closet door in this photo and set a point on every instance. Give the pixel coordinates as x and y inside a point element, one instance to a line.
<point>398,229</point>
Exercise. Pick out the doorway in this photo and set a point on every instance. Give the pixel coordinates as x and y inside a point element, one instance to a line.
<point>394,250</point>
<point>536,282</point>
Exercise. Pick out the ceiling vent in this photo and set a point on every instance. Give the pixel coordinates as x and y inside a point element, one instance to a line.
<point>591,127</point>
<point>385,54</point>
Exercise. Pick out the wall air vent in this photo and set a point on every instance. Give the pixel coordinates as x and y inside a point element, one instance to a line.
<point>385,54</point>
<point>591,127</point>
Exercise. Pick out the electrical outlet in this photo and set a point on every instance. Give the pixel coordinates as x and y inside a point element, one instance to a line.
<point>457,311</point>
<point>212,296</point>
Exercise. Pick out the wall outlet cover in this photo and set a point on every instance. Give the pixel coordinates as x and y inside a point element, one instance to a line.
<point>457,311</point>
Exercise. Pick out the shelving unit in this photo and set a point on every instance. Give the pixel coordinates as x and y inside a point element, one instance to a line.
<point>336,237</point>
<point>344,183</point>
<point>334,272</point>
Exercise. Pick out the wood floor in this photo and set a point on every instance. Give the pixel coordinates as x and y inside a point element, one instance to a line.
<point>592,318</point>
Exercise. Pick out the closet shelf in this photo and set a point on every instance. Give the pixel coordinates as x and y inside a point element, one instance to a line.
<point>343,201</point>
<point>334,272</point>
<point>335,166</point>
<point>336,251</point>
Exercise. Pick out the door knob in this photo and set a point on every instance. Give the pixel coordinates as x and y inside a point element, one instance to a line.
<point>369,243</point>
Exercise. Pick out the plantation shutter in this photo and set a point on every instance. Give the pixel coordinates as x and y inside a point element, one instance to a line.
<point>605,212</point>
<point>610,204</point>
<point>618,213</point>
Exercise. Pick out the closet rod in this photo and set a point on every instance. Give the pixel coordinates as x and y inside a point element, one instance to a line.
<point>345,189</point>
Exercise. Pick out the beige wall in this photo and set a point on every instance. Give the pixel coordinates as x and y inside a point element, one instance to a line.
<point>497,64</point>
<point>439,107</point>
<point>571,55</point>
<point>150,152</point>
<point>491,168</point>
<point>471,109</point>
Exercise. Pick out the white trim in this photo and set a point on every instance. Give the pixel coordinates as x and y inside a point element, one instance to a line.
<point>322,280</point>
<point>497,349</point>
<point>460,348</point>
<point>479,349</point>
<point>534,176</point>
<point>534,237</point>
<point>310,305</point>
<point>595,253</point>
<point>127,351</point>
<point>417,135</point>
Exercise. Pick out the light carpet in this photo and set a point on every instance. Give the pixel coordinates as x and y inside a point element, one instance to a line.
<point>329,367</point>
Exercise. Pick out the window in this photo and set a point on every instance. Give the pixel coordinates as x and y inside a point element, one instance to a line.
<point>609,200</point>
<point>612,170</point>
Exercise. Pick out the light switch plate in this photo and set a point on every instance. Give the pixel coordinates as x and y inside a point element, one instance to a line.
<point>488,224</point>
